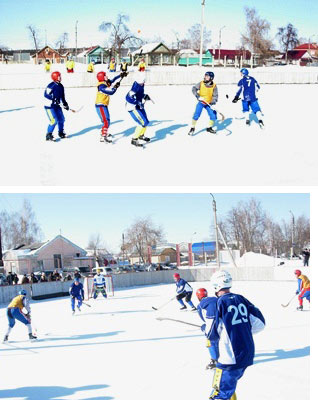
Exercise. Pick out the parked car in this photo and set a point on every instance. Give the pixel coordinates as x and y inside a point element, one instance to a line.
<point>104,270</point>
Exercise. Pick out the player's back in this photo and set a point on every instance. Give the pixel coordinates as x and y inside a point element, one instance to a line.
<point>249,88</point>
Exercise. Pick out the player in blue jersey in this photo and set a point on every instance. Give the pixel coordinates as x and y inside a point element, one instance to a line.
<point>54,96</point>
<point>235,323</point>
<point>15,313</point>
<point>184,291</point>
<point>77,293</point>
<point>249,86</point>
<point>99,285</point>
<point>207,309</point>
<point>135,104</point>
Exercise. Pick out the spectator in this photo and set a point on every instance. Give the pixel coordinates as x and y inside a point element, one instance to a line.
<point>77,273</point>
<point>67,278</point>
<point>43,277</point>
<point>15,279</point>
<point>57,276</point>
<point>159,268</point>
<point>33,278</point>
<point>25,279</point>
<point>51,277</point>
<point>306,254</point>
<point>10,278</point>
<point>3,280</point>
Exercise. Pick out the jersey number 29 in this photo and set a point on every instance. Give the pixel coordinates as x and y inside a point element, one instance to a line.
<point>240,313</point>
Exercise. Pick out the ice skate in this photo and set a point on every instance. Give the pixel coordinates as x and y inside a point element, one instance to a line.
<point>136,143</point>
<point>300,308</point>
<point>193,309</point>
<point>5,339</point>
<point>211,130</point>
<point>49,137</point>
<point>248,122</point>
<point>62,135</point>
<point>79,308</point>
<point>183,308</point>
<point>146,139</point>
<point>211,365</point>
<point>261,123</point>
<point>191,131</point>
<point>31,336</point>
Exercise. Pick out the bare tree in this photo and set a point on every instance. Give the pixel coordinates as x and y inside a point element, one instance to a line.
<point>288,38</point>
<point>119,35</point>
<point>62,41</point>
<point>193,38</point>
<point>141,234</point>
<point>256,36</point>
<point>20,227</point>
<point>34,35</point>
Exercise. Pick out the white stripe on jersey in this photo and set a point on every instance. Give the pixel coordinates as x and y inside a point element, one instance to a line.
<point>257,324</point>
<point>225,347</point>
<point>99,280</point>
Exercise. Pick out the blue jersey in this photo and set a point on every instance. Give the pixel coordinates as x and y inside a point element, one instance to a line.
<point>248,84</point>
<point>77,290</point>
<point>54,95</point>
<point>183,287</point>
<point>207,310</point>
<point>236,321</point>
<point>136,93</point>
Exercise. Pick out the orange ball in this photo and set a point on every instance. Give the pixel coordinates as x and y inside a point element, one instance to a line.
<point>139,31</point>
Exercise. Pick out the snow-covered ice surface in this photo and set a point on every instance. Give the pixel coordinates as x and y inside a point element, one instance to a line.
<point>282,154</point>
<point>118,350</point>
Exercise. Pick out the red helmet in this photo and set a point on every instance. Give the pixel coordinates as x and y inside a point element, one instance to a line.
<point>176,276</point>
<point>201,293</point>
<point>101,76</point>
<point>297,272</point>
<point>56,76</point>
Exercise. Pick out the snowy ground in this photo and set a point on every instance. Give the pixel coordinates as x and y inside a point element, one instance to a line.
<point>282,154</point>
<point>118,350</point>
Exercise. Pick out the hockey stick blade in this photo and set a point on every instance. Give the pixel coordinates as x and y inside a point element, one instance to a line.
<point>86,304</point>
<point>154,308</point>
<point>177,320</point>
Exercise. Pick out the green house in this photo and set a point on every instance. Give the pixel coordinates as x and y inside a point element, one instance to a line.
<point>193,58</point>
<point>96,53</point>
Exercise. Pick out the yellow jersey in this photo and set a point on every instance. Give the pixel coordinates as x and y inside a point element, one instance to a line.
<point>17,302</point>
<point>206,92</point>
<point>101,98</point>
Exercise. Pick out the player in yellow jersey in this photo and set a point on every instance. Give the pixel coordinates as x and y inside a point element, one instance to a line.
<point>206,93</point>
<point>14,312</point>
<point>303,288</point>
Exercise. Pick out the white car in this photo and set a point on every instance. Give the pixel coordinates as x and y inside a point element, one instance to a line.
<point>103,270</point>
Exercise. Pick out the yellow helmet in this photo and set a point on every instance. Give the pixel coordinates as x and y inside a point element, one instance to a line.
<point>99,270</point>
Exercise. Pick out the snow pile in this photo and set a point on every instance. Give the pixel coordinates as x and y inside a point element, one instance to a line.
<point>251,259</point>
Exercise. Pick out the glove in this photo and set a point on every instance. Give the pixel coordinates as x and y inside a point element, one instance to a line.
<point>139,105</point>
<point>297,291</point>
<point>203,327</point>
<point>236,99</point>
<point>123,74</point>
<point>147,97</point>
<point>108,82</point>
<point>66,106</point>
<point>117,84</point>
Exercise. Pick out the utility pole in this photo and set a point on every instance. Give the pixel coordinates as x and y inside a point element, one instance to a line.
<point>216,232</point>
<point>123,237</point>
<point>76,39</point>
<point>202,26</point>
<point>220,42</point>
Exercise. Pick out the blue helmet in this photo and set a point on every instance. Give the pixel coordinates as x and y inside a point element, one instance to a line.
<point>23,292</point>
<point>210,74</point>
<point>76,280</point>
<point>244,71</point>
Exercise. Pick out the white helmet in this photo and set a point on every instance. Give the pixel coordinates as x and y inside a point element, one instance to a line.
<point>140,77</point>
<point>221,280</point>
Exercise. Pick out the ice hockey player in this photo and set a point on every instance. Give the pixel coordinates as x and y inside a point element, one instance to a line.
<point>54,96</point>
<point>207,310</point>
<point>99,285</point>
<point>77,293</point>
<point>235,323</point>
<point>142,65</point>
<point>90,67</point>
<point>135,101</point>
<point>104,90</point>
<point>123,66</point>
<point>70,66</point>
<point>14,312</point>
<point>112,65</point>
<point>184,290</point>
<point>206,92</point>
<point>47,65</point>
<point>303,288</point>
<point>249,85</point>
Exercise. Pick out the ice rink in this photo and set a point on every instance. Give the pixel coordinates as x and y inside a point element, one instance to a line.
<point>118,350</point>
<point>281,154</point>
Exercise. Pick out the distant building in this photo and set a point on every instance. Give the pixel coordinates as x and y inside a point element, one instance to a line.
<point>158,256</point>
<point>47,53</point>
<point>224,56</point>
<point>154,54</point>
<point>95,53</point>
<point>58,253</point>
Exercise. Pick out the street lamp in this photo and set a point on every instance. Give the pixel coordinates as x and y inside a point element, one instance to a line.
<point>76,39</point>
<point>216,232</point>
<point>201,37</point>
<point>292,234</point>
<point>220,41</point>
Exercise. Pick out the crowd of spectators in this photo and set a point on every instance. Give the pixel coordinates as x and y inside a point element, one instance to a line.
<point>13,279</point>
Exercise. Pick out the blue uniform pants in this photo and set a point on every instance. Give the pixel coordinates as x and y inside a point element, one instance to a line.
<point>198,110</point>
<point>140,116</point>
<point>224,383</point>
<point>98,290</point>
<point>253,104</point>
<point>55,116</point>
<point>103,114</point>
<point>79,301</point>
<point>16,313</point>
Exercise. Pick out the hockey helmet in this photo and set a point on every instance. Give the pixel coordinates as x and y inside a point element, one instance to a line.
<point>76,280</point>
<point>176,276</point>
<point>297,272</point>
<point>221,280</point>
<point>244,71</point>
<point>56,76</point>
<point>210,74</point>
<point>201,293</point>
<point>98,270</point>
<point>101,76</point>
<point>23,292</point>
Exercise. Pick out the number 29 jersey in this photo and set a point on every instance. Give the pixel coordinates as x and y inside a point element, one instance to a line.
<point>236,321</point>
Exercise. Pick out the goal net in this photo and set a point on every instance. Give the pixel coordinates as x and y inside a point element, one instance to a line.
<point>89,286</point>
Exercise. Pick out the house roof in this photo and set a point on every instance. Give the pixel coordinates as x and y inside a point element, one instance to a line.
<point>230,53</point>
<point>148,48</point>
<point>297,54</point>
<point>307,46</point>
<point>46,47</point>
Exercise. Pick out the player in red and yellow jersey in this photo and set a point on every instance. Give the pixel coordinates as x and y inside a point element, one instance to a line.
<point>206,93</point>
<point>14,312</point>
<point>303,288</point>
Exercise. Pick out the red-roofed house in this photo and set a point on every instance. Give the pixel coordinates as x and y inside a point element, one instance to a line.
<point>299,57</point>
<point>312,48</point>
<point>230,56</point>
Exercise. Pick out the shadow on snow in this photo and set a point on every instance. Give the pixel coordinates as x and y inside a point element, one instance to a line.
<point>281,354</point>
<point>16,109</point>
